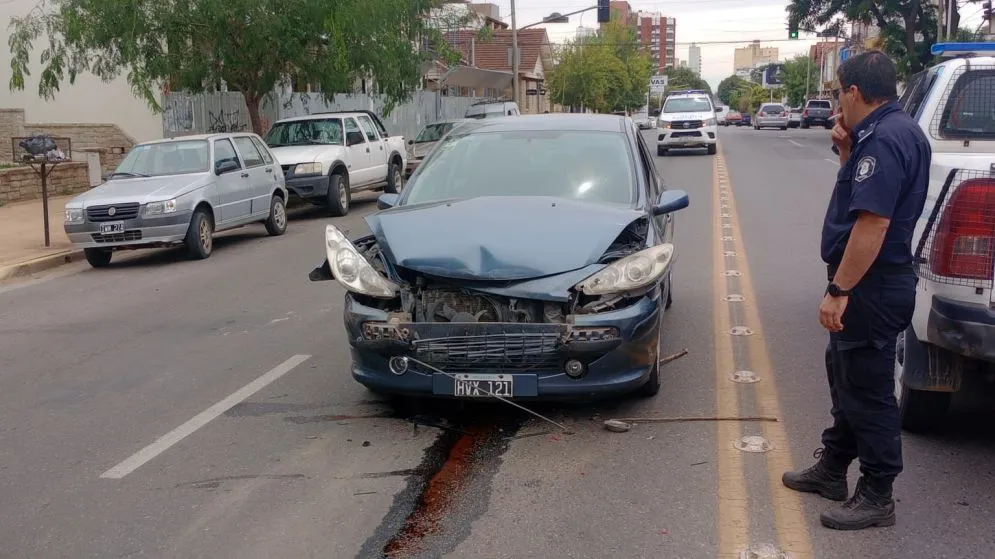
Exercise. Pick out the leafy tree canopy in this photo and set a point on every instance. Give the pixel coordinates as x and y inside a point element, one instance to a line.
<point>728,86</point>
<point>248,45</point>
<point>685,78</point>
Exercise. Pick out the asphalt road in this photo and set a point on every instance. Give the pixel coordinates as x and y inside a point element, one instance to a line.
<point>168,408</point>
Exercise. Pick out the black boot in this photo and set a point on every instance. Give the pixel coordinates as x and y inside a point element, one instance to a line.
<point>869,506</point>
<point>827,478</point>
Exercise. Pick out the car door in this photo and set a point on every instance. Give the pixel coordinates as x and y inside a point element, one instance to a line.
<point>379,151</point>
<point>359,154</point>
<point>274,176</point>
<point>231,185</point>
<point>257,187</point>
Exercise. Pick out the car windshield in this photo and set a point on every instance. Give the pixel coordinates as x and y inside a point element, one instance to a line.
<point>165,158</point>
<point>687,105</point>
<point>318,131</point>
<point>819,105</point>
<point>773,109</point>
<point>579,165</point>
<point>434,132</point>
<point>486,111</point>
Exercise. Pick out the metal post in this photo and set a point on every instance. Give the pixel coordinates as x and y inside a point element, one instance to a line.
<point>514,54</point>
<point>950,19</point>
<point>808,76</point>
<point>44,200</point>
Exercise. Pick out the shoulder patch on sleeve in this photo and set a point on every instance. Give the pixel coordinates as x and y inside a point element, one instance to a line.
<point>865,168</point>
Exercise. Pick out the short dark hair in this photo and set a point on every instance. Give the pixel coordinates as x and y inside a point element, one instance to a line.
<point>873,73</point>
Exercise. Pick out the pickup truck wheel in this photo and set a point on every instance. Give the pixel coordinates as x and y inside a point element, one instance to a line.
<point>395,180</point>
<point>919,410</point>
<point>804,125</point>
<point>712,149</point>
<point>339,196</point>
<point>200,236</point>
<point>660,151</point>
<point>276,223</point>
<point>829,125</point>
<point>98,257</point>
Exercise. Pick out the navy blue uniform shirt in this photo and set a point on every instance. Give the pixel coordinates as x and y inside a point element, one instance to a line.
<point>887,174</point>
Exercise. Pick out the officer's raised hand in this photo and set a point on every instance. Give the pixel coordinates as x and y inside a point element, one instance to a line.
<point>841,138</point>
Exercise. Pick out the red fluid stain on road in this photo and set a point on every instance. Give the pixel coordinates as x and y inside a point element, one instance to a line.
<point>436,499</point>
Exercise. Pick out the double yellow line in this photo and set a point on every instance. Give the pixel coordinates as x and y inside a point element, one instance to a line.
<point>733,500</point>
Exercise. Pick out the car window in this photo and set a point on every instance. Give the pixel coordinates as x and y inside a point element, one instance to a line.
<point>773,109</point>
<point>581,165</point>
<point>687,105</point>
<point>166,158</point>
<point>249,152</point>
<point>267,156</point>
<point>351,126</point>
<point>223,151</point>
<point>434,132</point>
<point>368,128</point>
<point>820,105</point>
<point>312,131</point>
<point>649,170</point>
<point>969,112</point>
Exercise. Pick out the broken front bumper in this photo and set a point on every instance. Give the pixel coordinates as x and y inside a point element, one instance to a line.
<point>617,349</point>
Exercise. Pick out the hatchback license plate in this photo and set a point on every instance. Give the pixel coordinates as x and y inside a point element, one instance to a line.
<point>115,227</point>
<point>482,386</point>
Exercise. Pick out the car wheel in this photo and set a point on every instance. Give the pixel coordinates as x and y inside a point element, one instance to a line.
<point>713,149</point>
<point>276,223</point>
<point>200,236</point>
<point>339,196</point>
<point>804,126</point>
<point>670,293</point>
<point>660,151</point>
<point>919,410</point>
<point>98,257</point>
<point>395,182</point>
<point>784,127</point>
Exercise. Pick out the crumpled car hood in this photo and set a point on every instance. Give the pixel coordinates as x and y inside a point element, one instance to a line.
<point>499,237</point>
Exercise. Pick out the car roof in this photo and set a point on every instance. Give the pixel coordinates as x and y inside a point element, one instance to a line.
<point>199,137</point>
<point>324,115</point>
<point>548,122</point>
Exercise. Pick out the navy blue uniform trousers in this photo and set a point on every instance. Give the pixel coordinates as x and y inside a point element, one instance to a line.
<point>860,363</point>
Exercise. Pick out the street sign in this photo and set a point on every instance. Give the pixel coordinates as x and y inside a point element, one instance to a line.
<point>772,76</point>
<point>844,54</point>
<point>658,83</point>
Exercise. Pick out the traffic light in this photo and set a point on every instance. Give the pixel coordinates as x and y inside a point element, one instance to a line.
<point>792,30</point>
<point>987,14</point>
<point>604,11</point>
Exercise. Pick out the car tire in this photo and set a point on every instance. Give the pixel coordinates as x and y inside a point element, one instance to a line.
<point>98,257</point>
<point>670,293</point>
<point>713,149</point>
<point>784,128</point>
<point>339,196</point>
<point>660,151</point>
<point>395,179</point>
<point>804,125</point>
<point>276,223</point>
<point>919,410</point>
<point>200,236</point>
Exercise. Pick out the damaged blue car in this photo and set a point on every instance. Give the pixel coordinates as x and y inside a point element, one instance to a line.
<point>528,258</point>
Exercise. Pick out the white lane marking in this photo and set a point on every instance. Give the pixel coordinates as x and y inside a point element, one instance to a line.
<point>162,444</point>
<point>796,143</point>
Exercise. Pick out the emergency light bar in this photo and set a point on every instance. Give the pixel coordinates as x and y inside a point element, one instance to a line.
<point>959,49</point>
<point>688,92</point>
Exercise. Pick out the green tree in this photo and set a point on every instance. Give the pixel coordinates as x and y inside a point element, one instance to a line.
<point>728,87</point>
<point>684,78</point>
<point>248,45</point>
<point>794,79</point>
<point>899,20</point>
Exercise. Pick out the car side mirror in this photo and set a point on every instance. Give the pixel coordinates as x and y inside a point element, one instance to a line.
<point>411,142</point>
<point>671,201</point>
<point>321,273</point>
<point>353,138</point>
<point>107,176</point>
<point>387,201</point>
<point>225,166</point>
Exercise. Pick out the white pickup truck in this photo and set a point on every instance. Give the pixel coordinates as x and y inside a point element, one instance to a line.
<point>326,157</point>
<point>952,337</point>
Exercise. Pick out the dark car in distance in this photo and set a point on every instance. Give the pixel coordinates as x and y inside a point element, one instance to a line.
<point>528,258</point>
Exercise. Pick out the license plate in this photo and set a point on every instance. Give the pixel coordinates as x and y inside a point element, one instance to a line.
<point>115,227</point>
<point>468,385</point>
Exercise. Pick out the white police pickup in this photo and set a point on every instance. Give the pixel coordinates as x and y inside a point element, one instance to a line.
<point>687,120</point>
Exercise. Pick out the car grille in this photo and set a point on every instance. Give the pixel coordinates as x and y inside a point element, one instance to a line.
<point>135,235</point>
<point>686,135</point>
<point>509,352</point>
<point>121,212</point>
<point>679,124</point>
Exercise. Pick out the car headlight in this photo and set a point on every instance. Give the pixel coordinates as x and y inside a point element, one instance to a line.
<point>308,168</point>
<point>74,215</point>
<point>160,208</point>
<point>710,122</point>
<point>352,270</point>
<point>664,124</point>
<point>631,273</point>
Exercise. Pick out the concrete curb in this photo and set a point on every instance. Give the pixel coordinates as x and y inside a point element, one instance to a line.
<point>28,267</point>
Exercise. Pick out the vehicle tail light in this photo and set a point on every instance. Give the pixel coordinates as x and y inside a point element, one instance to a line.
<point>761,113</point>
<point>964,246</point>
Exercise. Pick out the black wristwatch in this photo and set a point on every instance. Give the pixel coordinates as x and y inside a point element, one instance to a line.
<point>835,290</point>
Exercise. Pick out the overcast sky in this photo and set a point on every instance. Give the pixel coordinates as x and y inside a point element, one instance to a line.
<point>701,21</point>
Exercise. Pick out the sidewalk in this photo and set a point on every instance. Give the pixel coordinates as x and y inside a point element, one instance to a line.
<point>22,229</point>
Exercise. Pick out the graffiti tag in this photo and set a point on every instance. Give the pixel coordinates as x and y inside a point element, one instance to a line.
<point>223,121</point>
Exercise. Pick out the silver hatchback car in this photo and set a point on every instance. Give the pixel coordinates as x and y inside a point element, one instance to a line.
<point>771,115</point>
<point>180,191</point>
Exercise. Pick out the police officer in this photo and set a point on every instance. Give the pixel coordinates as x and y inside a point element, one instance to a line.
<point>867,245</point>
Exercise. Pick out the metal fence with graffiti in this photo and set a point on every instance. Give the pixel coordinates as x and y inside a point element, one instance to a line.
<point>185,114</point>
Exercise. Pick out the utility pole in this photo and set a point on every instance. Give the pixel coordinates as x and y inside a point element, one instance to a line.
<point>514,55</point>
<point>808,74</point>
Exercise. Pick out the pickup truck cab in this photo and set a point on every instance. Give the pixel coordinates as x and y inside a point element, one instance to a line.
<point>326,157</point>
<point>952,336</point>
<point>817,111</point>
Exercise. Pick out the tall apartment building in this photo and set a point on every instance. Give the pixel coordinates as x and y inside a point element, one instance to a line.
<point>753,56</point>
<point>694,58</point>
<point>658,34</point>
